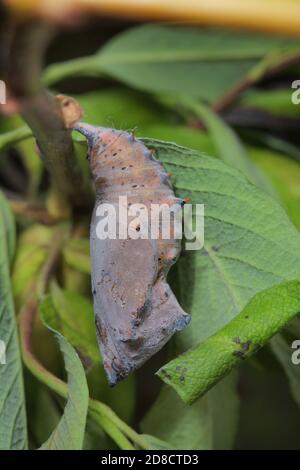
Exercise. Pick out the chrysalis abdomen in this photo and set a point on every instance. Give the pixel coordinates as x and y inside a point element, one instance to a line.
<point>136,312</point>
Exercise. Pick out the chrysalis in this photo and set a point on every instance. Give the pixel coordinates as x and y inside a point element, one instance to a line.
<point>135,310</point>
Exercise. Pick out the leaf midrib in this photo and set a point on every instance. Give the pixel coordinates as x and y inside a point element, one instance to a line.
<point>109,58</point>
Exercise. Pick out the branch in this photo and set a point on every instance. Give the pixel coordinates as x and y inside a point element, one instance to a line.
<point>43,113</point>
<point>232,96</point>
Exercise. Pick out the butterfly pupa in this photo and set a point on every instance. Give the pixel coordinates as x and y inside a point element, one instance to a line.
<point>136,312</point>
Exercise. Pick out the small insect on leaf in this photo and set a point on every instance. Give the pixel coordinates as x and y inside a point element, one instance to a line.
<point>135,310</point>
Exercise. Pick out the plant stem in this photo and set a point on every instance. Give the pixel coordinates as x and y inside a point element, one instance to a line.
<point>42,112</point>
<point>263,70</point>
<point>56,72</point>
<point>37,213</point>
<point>14,137</point>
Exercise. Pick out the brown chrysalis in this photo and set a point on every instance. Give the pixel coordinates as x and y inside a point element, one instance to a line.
<point>136,312</point>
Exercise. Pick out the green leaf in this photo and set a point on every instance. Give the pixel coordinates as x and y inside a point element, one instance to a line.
<point>280,172</point>
<point>69,433</point>
<point>8,227</point>
<point>196,371</point>
<point>72,315</point>
<point>228,145</point>
<point>250,243</point>
<point>13,430</point>
<point>195,62</point>
<point>237,267</point>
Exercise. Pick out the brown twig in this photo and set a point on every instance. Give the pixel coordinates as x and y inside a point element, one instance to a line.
<point>234,93</point>
<point>42,112</point>
<point>32,212</point>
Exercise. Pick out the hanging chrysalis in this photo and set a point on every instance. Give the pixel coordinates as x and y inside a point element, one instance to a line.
<point>135,310</point>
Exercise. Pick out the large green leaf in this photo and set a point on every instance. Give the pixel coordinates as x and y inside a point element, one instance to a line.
<point>13,430</point>
<point>196,62</point>
<point>282,172</point>
<point>250,243</point>
<point>196,371</point>
<point>69,433</point>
